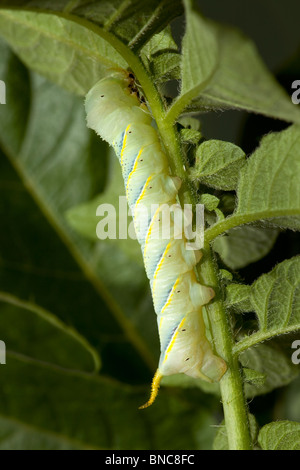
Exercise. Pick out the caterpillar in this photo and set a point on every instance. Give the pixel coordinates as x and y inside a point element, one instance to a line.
<point>118,114</point>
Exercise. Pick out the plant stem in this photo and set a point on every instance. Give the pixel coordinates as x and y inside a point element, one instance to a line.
<point>236,220</point>
<point>234,404</point>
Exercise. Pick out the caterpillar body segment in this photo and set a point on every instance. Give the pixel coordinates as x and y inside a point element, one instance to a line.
<point>118,116</point>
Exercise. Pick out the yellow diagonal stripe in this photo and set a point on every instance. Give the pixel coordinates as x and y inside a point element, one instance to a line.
<point>124,143</point>
<point>134,168</point>
<point>173,339</point>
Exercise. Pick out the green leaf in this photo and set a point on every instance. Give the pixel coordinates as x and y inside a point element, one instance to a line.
<point>161,57</point>
<point>221,439</point>
<point>191,130</point>
<point>244,245</point>
<point>238,297</point>
<point>254,377</point>
<point>225,275</point>
<point>43,336</point>
<point>199,52</point>
<point>269,183</point>
<point>276,301</point>
<point>131,21</point>
<point>242,81</point>
<point>190,135</point>
<point>218,164</point>
<point>65,52</point>
<point>210,201</point>
<point>269,186</point>
<point>273,361</point>
<point>282,435</point>
<point>275,296</point>
<point>199,58</point>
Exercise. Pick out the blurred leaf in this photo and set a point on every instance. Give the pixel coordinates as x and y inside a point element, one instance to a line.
<point>289,407</point>
<point>15,435</point>
<point>257,91</point>
<point>244,245</point>
<point>53,155</point>
<point>65,52</point>
<point>282,435</point>
<point>227,202</point>
<point>35,265</point>
<point>43,337</point>
<point>218,164</point>
<point>95,412</point>
<point>184,381</point>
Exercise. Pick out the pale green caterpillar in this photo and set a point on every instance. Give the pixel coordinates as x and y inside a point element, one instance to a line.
<point>116,113</point>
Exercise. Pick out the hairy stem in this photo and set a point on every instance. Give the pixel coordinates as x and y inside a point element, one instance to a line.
<point>236,220</point>
<point>234,404</point>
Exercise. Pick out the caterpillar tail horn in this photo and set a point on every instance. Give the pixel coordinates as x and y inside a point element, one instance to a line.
<point>154,389</point>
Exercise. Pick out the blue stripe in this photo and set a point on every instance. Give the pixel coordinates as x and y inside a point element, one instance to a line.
<point>152,265</point>
<point>128,166</point>
<point>118,144</point>
<point>164,345</point>
<point>164,300</point>
<point>169,338</point>
<point>135,196</point>
<point>143,233</point>
<point>157,263</point>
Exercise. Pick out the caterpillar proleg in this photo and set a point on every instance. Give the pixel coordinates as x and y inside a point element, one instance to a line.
<point>116,113</point>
